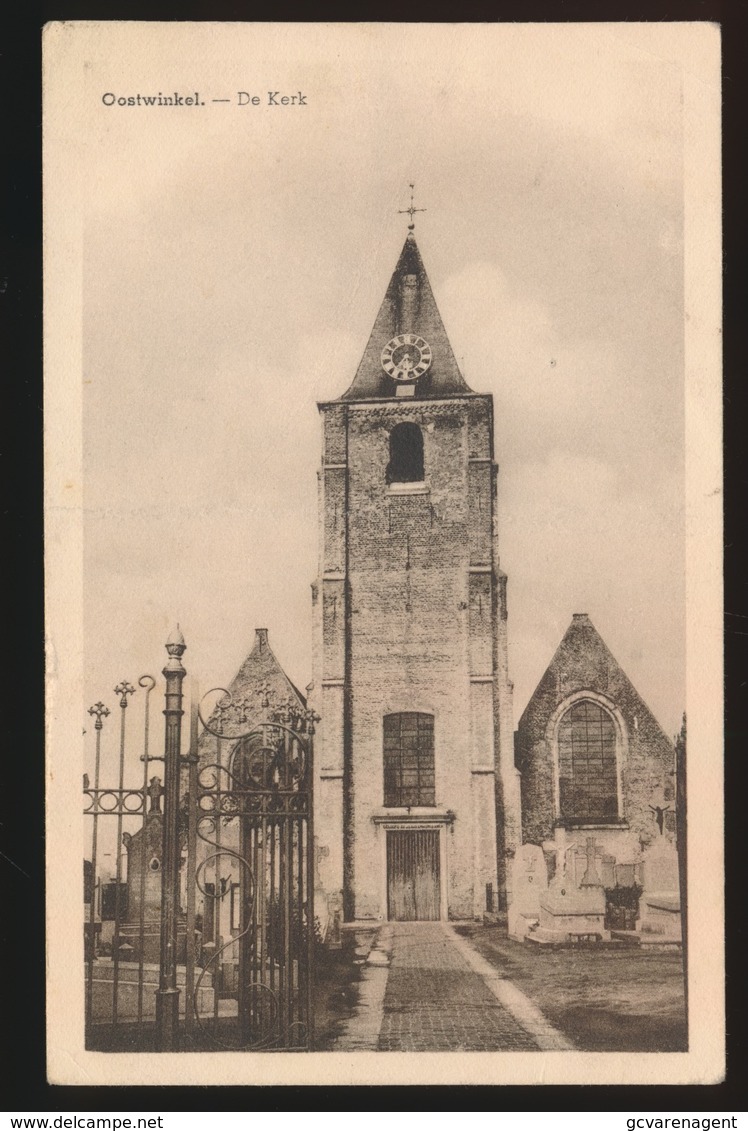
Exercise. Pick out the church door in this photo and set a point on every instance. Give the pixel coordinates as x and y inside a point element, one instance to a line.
<point>413,874</point>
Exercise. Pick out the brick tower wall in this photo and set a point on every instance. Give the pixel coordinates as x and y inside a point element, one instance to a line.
<point>409,614</point>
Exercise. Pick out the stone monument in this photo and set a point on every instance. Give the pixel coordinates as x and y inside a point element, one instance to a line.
<point>140,933</point>
<point>529,881</point>
<point>571,913</point>
<point>660,900</point>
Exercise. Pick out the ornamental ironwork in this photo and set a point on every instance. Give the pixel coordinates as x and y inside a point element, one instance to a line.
<point>252,818</point>
<point>206,940</point>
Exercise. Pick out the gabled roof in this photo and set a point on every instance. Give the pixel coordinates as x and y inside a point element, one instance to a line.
<point>260,681</point>
<point>408,307</point>
<point>583,662</point>
<point>261,669</point>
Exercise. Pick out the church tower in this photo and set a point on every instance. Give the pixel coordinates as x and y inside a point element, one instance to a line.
<point>417,797</point>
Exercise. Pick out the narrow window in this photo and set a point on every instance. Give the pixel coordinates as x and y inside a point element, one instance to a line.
<point>406,454</point>
<point>588,782</point>
<point>409,759</point>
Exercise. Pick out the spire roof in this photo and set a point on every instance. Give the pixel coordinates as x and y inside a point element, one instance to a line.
<point>409,307</point>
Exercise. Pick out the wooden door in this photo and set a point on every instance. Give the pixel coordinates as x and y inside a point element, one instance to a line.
<point>413,890</point>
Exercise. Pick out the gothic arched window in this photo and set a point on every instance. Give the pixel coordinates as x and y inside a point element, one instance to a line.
<point>409,759</point>
<point>406,454</point>
<point>587,767</point>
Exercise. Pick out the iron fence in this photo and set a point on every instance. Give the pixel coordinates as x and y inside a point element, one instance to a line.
<point>203,934</point>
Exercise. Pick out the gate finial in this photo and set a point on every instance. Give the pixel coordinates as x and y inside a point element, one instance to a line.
<point>176,647</point>
<point>124,689</point>
<point>100,711</point>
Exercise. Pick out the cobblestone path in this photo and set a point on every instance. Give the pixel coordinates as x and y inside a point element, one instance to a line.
<point>434,1001</point>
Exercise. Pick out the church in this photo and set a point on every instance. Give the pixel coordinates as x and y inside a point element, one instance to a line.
<point>427,804</point>
<point>424,795</point>
<point>416,784</point>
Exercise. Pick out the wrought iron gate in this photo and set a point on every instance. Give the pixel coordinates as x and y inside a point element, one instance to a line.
<point>118,975</point>
<point>205,938</point>
<point>253,828</point>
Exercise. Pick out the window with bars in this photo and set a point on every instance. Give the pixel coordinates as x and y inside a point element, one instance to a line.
<point>587,772</point>
<point>409,759</point>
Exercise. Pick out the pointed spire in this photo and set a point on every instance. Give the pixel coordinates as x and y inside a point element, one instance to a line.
<point>409,307</point>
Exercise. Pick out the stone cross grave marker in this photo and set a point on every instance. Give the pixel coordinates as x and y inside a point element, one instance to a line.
<point>529,881</point>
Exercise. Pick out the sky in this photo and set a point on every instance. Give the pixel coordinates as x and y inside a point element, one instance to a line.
<point>235,257</point>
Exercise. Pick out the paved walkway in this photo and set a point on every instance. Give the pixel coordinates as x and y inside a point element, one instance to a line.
<point>426,989</point>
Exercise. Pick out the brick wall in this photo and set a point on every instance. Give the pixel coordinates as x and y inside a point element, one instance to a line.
<point>646,756</point>
<point>409,621</point>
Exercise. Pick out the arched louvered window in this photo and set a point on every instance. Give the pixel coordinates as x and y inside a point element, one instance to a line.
<point>409,759</point>
<point>587,769</point>
<point>406,454</point>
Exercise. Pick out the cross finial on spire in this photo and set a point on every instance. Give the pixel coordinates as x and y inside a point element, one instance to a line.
<point>410,211</point>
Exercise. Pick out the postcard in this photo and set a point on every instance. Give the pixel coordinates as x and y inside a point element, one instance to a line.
<point>383,525</point>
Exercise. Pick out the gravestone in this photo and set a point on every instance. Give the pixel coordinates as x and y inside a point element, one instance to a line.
<point>140,932</point>
<point>529,881</point>
<point>608,871</point>
<point>591,877</point>
<point>624,874</point>
<point>661,867</point>
<point>579,863</point>
<point>569,912</point>
<point>660,900</point>
<point>576,866</point>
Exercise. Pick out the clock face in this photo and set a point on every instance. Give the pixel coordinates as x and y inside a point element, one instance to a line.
<point>406,357</point>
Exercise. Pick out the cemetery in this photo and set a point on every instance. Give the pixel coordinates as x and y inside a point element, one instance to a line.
<point>604,998</point>
<point>590,899</point>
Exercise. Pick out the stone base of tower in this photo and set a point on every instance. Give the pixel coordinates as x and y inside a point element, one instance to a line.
<point>484,878</point>
<point>328,840</point>
<point>425,865</point>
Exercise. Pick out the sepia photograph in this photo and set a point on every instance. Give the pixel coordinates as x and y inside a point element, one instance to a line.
<point>383,524</point>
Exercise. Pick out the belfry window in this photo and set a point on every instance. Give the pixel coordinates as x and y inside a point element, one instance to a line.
<point>409,759</point>
<point>406,454</point>
<point>587,771</point>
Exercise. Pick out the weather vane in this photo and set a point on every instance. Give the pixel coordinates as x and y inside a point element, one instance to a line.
<point>410,211</point>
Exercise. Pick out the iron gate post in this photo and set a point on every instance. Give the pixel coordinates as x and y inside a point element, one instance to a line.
<point>167,996</point>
